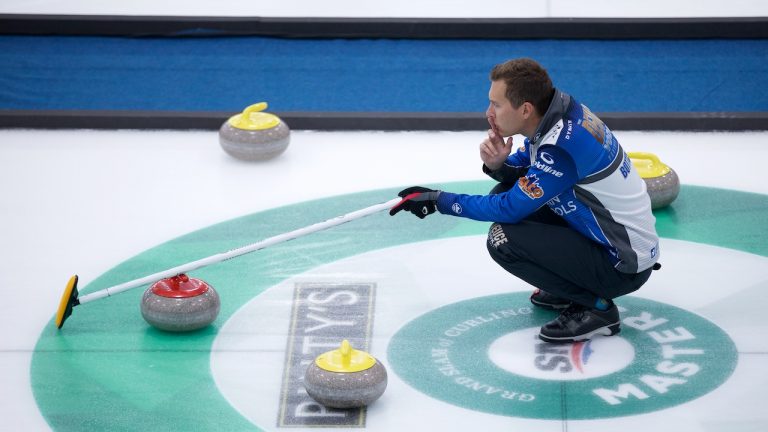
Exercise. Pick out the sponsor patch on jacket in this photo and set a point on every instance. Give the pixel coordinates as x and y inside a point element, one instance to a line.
<point>593,125</point>
<point>547,165</point>
<point>530,186</point>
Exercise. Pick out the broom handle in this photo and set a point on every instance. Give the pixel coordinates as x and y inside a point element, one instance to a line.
<point>194,265</point>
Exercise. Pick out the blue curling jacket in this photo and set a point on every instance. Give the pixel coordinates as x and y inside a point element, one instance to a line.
<point>575,166</point>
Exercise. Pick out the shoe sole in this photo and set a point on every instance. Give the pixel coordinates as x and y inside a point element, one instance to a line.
<point>550,306</point>
<point>608,330</point>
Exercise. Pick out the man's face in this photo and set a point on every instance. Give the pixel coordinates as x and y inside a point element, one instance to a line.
<point>508,119</point>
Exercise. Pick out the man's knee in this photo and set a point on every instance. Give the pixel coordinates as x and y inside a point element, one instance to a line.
<point>498,244</point>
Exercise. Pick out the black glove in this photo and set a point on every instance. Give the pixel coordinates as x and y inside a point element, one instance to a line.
<point>417,200</point>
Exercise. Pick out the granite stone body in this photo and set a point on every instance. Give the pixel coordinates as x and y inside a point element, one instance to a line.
<point>180,314</point>
<point>663,190</point>
<point>254,145</point>
<point>345,389</point>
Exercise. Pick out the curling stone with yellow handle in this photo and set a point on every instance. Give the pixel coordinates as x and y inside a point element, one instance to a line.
<point>661,181</point>
<point>345,378</point>
<point>254,135</point>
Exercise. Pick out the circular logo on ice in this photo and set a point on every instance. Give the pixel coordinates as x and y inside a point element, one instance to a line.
<point>523,353</point>
<point>484,354</point>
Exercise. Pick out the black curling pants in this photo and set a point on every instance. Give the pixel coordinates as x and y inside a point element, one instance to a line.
<point>545,252</point>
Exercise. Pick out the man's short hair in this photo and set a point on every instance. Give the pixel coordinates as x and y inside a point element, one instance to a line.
<point>527,81</point>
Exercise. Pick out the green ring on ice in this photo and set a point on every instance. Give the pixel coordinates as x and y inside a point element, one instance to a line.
<point>126,372</point>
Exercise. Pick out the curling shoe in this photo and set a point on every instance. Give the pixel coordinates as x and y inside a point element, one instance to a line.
<point>578,323</point>
<point>546,300</point>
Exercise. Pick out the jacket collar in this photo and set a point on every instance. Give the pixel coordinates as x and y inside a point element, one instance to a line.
<point>556,111</point>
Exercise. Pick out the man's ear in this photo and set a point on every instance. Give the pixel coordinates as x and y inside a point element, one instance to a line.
<point>528,110</point>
